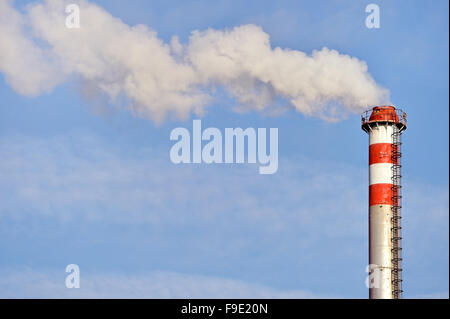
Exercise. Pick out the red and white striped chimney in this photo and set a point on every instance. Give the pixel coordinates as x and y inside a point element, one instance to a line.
<point>384,124</point>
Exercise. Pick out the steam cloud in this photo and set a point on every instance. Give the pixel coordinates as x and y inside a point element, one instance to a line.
<point>38,52</point>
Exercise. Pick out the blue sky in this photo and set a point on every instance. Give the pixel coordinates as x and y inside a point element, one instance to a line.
<point>85,181</point>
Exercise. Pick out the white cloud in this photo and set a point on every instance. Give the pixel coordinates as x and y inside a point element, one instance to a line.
<point>27,283</point>
<point>159,78</point>
<point>436,295</point>
<point>82,177</point>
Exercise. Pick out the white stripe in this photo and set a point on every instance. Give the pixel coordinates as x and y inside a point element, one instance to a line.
<point>380,134</point>
<point>380,250</point>
<point>380,173</point>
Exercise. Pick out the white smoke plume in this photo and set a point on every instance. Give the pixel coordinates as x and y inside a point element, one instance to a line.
<point>38,52</point>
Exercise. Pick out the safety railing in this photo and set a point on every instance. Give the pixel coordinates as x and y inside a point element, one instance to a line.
<point>384,115</point>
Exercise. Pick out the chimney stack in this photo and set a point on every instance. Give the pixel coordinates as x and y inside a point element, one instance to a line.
<point>384,124</point>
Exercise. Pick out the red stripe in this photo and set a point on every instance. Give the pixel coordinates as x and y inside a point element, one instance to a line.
<point>380,194</point>
<point>380,153</point>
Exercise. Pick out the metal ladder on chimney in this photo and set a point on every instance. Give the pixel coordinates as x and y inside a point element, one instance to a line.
<point>396,214</point>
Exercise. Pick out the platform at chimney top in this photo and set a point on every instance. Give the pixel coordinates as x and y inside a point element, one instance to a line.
<point>383,115</point>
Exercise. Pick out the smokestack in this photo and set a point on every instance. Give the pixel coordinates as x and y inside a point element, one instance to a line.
<point>384,124</point>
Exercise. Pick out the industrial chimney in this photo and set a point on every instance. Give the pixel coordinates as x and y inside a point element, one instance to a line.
<point>384,124</point>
